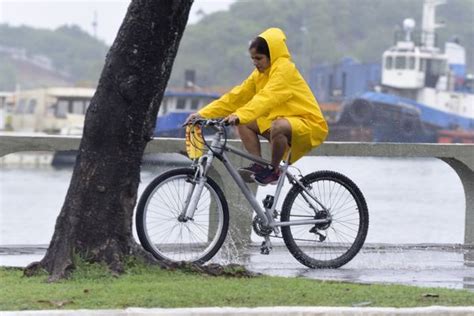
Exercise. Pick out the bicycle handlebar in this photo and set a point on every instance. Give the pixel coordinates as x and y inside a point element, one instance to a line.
<point>208,122</point>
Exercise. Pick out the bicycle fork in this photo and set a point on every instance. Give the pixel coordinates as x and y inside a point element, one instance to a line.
<point>192,199</point>
<point>197,185</point>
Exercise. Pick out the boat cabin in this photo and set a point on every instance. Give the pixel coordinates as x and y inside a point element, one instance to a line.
<point>51,110</point>
<point>175,108</point>
<point>413,69</point>
<point>176,101</point>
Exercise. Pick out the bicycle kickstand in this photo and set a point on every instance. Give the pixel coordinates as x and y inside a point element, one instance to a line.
<point>266,246</point>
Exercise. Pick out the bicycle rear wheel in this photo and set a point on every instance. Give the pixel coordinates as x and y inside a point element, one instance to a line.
<point>328,245</point>
<point>167,238</point>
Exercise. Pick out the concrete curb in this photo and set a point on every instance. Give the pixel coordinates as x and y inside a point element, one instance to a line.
<point>258,311</point>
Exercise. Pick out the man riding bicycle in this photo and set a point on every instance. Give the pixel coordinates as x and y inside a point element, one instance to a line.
<point>275,102</point>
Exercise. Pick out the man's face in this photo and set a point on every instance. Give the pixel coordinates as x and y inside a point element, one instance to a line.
<point>260,61</point>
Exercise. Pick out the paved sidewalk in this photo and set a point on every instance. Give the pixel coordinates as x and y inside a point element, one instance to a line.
<point>259,311</point>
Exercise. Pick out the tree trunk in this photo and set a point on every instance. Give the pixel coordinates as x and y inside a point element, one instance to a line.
<point>96,219</point>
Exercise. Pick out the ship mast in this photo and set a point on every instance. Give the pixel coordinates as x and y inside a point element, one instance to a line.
<point>95,24</point>
<point>429,24</point>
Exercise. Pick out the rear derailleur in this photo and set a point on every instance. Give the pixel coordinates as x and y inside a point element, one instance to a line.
<point>321,226</point>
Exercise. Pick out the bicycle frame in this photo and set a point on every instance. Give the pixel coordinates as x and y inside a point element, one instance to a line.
<point>218,149</point>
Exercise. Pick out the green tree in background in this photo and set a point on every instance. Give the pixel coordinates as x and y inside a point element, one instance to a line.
<point>319,31</point>
<point>76,55</point>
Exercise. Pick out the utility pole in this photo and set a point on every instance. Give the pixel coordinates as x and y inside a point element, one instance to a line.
<point>94,25</point>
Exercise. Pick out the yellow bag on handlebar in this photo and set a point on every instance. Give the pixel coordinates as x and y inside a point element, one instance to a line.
<point>194,141</point>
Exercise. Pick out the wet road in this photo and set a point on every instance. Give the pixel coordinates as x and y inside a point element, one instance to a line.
<point>418,265</point>
<point>435,266</point>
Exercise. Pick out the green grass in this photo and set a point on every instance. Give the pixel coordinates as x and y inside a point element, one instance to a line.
<point>92,287</point>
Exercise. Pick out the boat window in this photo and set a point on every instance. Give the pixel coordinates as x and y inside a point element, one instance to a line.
<point>194,104</point>
<point>208,100</point>
<point>388,62</point>
<point>411,62</point>
<point>422,64</point>
<point>21,106</point>
<point>400,62</point>
<point>165,106</point>
<point>61,109</point>
<point>181,104</point>
<point>437,67</point>
<point>31,106</point>
<point>51,109</point>
<point>77,107</point>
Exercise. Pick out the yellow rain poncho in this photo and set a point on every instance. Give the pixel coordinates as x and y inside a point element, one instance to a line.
<point>279,92</point>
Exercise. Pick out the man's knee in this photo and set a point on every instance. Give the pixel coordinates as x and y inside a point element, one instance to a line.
<point>251,127</point>
<point>281,127</point>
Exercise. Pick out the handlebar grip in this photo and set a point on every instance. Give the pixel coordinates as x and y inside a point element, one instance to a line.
<point>207,122</point>
<point>237,122</point>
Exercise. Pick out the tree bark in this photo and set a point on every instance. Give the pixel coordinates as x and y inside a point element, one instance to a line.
<point>96,219</point>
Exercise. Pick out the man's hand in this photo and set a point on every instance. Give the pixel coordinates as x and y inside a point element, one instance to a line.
<point>232,120</point>
<point>192,117</point>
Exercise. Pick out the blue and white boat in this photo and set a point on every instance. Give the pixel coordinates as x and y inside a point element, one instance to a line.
<point>423,90</point>
<point>176,106</point>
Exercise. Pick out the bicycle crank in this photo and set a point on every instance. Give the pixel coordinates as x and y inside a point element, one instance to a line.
<point>259,228</point>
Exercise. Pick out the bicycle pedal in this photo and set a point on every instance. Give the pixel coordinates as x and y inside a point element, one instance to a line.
<point>265,249</point>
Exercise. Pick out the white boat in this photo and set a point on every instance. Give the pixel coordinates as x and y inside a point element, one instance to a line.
<point>420,71</point>
<point>424,90</point>
<point>55,110</point>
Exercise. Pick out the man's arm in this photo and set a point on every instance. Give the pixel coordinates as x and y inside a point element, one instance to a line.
<point>230,101</point>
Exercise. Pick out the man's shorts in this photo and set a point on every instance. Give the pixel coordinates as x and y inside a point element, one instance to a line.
<point>306,133</point>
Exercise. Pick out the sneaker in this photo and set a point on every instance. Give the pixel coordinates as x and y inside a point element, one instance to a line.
<point>267,176</point>
<point>248,172</point>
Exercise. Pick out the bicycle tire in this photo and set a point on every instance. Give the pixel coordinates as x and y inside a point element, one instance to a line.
<point>336,249</point>
<point>198,248</point>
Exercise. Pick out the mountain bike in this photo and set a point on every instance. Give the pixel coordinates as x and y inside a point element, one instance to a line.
<point>183,214</point>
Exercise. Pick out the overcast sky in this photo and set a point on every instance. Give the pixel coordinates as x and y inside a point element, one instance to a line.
<point>53,13</point>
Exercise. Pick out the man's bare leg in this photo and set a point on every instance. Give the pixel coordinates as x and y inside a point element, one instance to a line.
<point>249,136</point>
<point>280,138</point>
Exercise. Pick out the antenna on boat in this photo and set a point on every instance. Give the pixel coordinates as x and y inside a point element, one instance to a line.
<point>408,27</point>
<point>429,24</point>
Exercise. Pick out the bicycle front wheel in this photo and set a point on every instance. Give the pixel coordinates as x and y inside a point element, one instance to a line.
<point>162,233</point>
<point>331,244</point>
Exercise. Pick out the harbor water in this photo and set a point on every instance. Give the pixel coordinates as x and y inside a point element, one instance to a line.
<point>410,200</point>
